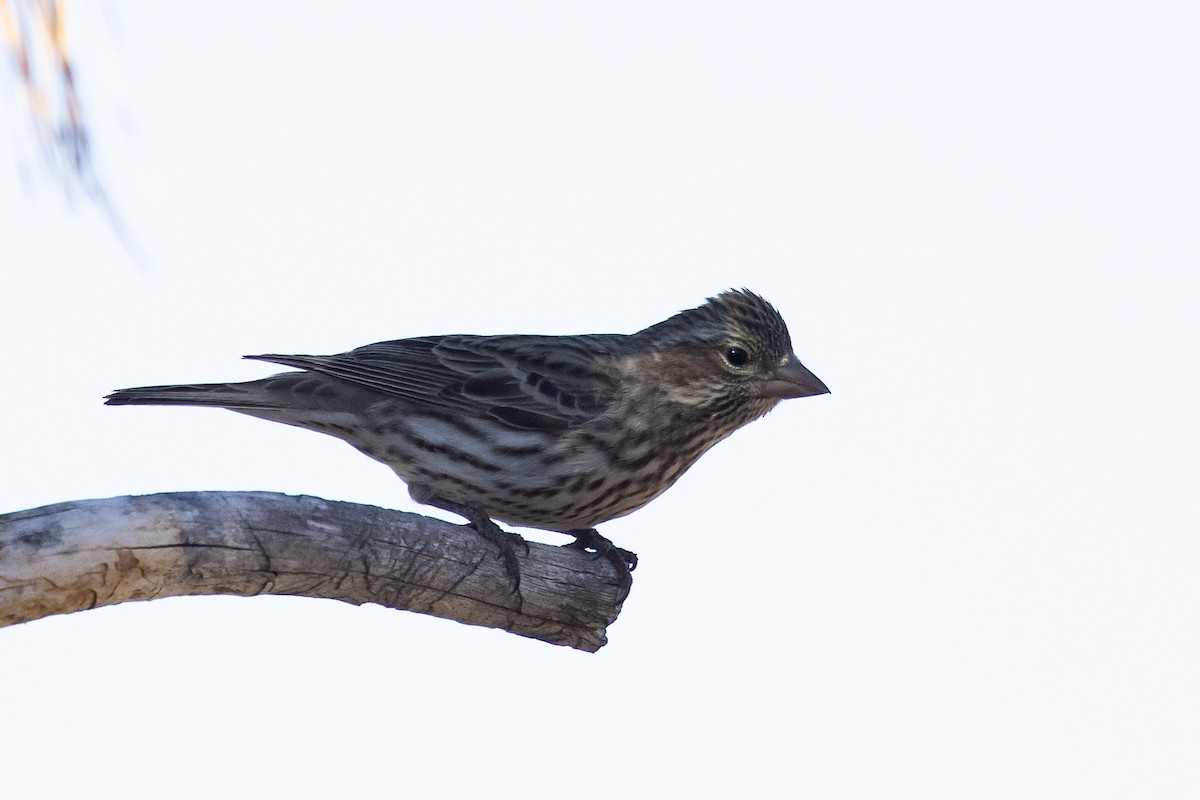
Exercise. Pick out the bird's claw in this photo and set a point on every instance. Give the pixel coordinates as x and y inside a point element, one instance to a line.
<point>624,561</point>
<point>489,530</point>
<point>508,552</point>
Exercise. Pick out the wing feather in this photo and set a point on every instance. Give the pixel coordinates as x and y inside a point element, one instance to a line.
<point>527,382</point>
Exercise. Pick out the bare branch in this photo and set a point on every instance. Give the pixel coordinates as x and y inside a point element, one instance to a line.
<point>79,555</point>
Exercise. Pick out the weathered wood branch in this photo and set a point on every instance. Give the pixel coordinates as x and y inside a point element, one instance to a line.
<point>80,555</point>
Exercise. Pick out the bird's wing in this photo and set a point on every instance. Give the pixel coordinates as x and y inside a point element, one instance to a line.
<point>528,382</point>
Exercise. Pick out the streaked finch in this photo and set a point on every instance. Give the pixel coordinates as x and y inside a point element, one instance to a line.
<point>554,432</point>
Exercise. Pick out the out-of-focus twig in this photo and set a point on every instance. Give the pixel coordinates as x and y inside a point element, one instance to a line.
<point>37,38</point>
<point>36,35</point>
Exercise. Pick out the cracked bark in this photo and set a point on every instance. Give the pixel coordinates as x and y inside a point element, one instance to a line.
<point>79,555</point>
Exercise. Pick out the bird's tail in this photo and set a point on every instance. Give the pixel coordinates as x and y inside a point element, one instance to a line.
<point>235,396</point>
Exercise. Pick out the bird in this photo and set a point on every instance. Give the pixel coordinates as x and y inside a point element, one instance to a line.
<point>559,433</point>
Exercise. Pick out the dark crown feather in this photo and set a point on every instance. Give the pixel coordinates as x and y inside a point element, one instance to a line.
<point>736,313</point>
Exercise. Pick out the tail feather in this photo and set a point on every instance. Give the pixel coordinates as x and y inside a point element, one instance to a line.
<point>220,395</point>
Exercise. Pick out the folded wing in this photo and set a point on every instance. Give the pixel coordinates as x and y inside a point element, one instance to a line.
<point>527,382</point>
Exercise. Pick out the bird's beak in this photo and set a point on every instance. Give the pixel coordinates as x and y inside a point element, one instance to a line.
<point>793,380</point>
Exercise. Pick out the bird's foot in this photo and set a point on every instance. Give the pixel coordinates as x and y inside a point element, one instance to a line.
<point>506,542</point>
<point>624,561</point>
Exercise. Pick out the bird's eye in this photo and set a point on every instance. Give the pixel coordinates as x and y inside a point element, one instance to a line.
<point>737,357</point>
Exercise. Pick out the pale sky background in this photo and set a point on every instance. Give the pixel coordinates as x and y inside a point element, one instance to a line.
<point>972,571</point>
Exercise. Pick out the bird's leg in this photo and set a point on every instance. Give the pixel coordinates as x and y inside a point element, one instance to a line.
<point>590,540</point>
<point>489,530</point>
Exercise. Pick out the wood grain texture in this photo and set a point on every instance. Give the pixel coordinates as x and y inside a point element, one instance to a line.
<point>79,555</point>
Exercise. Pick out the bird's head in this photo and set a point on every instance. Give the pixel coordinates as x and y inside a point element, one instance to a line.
<point>733,355</point>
